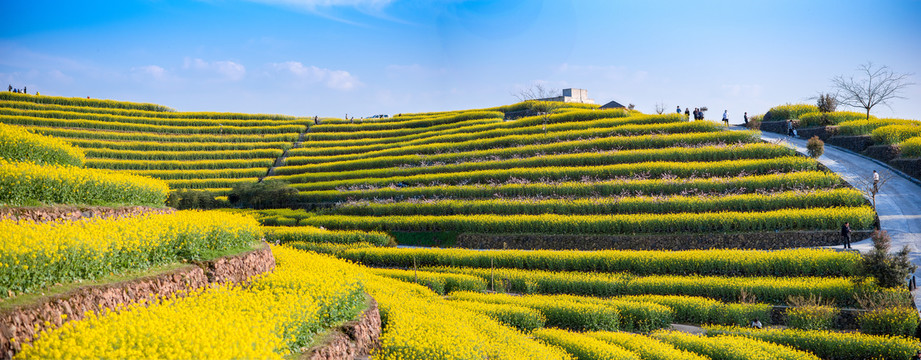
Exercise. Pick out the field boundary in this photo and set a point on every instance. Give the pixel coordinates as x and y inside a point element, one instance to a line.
<point>20,325</point>
<point>354,339</point>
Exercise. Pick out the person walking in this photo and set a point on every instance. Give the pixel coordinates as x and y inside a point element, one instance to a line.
<point>789,127</point>
<point>875,182</point>
<point>24,91</point>
<point>696,114</point>
<point>745,117</point>
<point>678,110</point>
<point>846,235</point>
<point>687,114</point>
<point>726,117</point>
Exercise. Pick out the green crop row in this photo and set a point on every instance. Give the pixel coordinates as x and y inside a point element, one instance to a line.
<point>708,153</point>
<point>440,283</point>
<point>610,205</point>
<point>830,118</point>
<point>635,316</point>
<point>166,138</point>
<point>182,155</point>
<point>727,221</point>
<point>771,290</point>
<point>894,134</point>
<point>702,310</point>
<point>168,129</point>
<point>82,102</point>
<point>560,173</point>
<point>789,111</point>
<point>517,136</point>
<point>542,145</point>
<point>406,124</point>
<point>68,115</point>
<point>522,318</point>
<point>361,138</point>
<point>18,144</point>
<point>29,184</point>
<point>582,346</point>
<point>911,147</point>
<point>772,182</point>
<point>309,234</point>
<point>201,173</point>
<point>830,344</point>
<point>646,347</point>
<point>790,262</point>
<point>117,164</point>
<point>729,347</point>
<point>208,183</point>
<point>180,146</point>
<point>863,127</point>
<point>493,128</point>
<point>26,105</point>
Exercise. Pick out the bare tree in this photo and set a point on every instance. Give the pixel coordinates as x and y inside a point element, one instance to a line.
<point>532,97</point>
<point>660,108</point>
<point>877,86</point>
<point>871,188</point>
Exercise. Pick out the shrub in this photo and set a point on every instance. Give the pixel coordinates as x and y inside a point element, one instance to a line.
<point>827,102</point>
<point>186,199</point>
<point>889,270</point>
<point>754,122</point>
<point>267,194</point>
<point>815,147</point>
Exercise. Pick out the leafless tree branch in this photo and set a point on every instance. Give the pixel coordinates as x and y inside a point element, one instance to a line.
<point>877,86</point>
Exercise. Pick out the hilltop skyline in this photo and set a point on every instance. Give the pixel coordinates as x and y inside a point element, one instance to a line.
<point>332,58</point>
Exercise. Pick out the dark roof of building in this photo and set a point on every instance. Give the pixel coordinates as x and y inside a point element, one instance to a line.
<point>612,105</point>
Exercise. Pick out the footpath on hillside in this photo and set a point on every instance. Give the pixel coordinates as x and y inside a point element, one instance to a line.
<point>898,203</point>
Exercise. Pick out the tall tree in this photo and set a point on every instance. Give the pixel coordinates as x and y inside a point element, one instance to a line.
<point>876,85</point>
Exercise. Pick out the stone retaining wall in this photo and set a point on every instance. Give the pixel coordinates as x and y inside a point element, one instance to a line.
<point>354,339</point>
<point>70,213</point>
<point>23,323</point>
<point>753,240</point>
<point>857,143</point>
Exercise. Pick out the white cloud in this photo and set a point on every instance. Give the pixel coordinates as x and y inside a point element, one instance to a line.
<point>226,69</point>
<point>333,79</point>
<point>153,71</point>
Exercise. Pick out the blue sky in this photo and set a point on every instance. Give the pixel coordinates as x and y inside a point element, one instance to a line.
<point>363,57</point>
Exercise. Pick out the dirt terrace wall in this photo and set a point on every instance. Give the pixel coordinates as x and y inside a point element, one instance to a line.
<point>49,213</point>
<point>355,339</point>
<point>25,322</point>
<point>754,240</point>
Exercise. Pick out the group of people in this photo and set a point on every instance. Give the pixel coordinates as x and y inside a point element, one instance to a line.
<point>18,91</point>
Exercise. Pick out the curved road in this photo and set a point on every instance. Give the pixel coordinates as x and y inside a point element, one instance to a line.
<point>898,202</point>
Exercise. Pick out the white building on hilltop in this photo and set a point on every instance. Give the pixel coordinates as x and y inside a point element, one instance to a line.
<point>572,96</point>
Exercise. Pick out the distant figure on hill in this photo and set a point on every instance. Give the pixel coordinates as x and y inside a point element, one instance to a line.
<point>678,110</point>
<point>24,91</point>
<point>11,88</point>
<point>687,114</point>
<point>316,120</point>
<point>726,117</point>
<point>745,117</point>
<point>696,113</point>
<point>846,235</point>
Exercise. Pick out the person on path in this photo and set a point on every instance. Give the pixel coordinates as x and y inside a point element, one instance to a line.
<point>846,235</point>
<point>726,117</point>
<point>789,127</point>
<point>687,114</point>
<point>875,182</point>
<point>678,110</point>
<point>745,117</point>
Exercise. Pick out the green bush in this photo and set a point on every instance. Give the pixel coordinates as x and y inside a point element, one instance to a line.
<point>894,134</point>
<point>185,199</point>
<point>789,111</point>
<point>815,147</point>
<point>814,317</point>
<point>900,321</point>
<point>911,148</point>
<point>266,194</point>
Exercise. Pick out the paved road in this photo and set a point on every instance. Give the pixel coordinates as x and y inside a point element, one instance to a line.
<point>898,203</point>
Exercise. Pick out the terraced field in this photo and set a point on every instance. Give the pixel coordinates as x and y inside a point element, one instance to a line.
<point>208,151</point>
<point>579,172</point>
